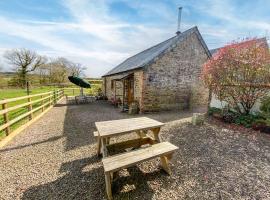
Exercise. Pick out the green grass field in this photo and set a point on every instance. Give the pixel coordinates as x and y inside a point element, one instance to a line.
<point>13,93</point>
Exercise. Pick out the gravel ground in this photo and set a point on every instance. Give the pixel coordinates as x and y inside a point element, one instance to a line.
<point>55,159</point>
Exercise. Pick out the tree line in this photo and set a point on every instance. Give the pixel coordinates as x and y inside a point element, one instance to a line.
<point>28,64</point>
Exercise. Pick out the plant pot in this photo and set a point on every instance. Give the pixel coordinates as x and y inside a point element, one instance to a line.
<point>266,129</point>
<point>258,126</point>
<point>261,126</point>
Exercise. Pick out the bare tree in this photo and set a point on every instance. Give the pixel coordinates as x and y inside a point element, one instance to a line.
<point>24,61</point>
<point>59,70</point>
<point>76,69</point>
<point>43,72</point>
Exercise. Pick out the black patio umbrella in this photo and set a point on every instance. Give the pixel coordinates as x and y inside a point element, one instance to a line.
<point>79,81</point>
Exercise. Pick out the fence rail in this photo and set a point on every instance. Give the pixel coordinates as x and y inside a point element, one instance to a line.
<point>72,91</point>
<point>42,102</point>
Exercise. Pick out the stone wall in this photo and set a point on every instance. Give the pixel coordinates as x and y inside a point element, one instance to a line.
<point>199,96</point>
<point>109,92</point>
<point>138,83</point>
<point>168,80</point>
<point>117,89</point>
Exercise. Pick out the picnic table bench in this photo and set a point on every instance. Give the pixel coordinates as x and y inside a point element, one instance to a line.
<point>141,125</point>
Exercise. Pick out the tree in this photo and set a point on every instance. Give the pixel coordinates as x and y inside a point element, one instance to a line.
<point>76,69</point>
<point>59,70</point>
<point>239,74</point>
<point>24,61</point>
<point>43,74</point>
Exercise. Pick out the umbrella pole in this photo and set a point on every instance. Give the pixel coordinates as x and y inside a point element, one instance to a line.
<point>81,91</point>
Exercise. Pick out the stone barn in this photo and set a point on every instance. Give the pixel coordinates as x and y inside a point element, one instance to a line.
<point>163,77</point>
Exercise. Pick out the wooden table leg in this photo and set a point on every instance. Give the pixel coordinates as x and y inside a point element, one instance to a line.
<point>108,185</point>
<point>163,159</point>
<point>141,134</point>
<point>156,132</point>
<point>108,140</point>
<point>103,146</point>
<point>138,133</point>
<point>98,145</point>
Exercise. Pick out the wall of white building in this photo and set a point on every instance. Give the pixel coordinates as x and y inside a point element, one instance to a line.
<point>221,104</point>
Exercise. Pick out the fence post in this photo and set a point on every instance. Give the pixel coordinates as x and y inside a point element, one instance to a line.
<point>4,106</point>
<point>42,103</point>
<point>54,97</point>
<point>30,108</point>
<point>50,99</point>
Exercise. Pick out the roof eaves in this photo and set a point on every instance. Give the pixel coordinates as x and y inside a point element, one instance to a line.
<point>126,71</point>
<point>203,42</point>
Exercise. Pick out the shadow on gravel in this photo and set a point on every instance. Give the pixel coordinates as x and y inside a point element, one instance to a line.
<point>32,144</point>
<point>84,179</point>
<point>136,185</point>
<point>77,183</point>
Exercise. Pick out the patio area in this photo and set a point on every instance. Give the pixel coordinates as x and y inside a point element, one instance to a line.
<point>55,158</point>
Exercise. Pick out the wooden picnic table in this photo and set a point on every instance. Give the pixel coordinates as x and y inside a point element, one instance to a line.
<point>140,125</point>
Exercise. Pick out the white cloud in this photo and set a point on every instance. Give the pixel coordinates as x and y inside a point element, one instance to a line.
<point>100,41</point>
<point>104,41</point>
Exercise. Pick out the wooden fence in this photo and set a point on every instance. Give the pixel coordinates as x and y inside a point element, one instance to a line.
<point>72,91</point>
<point>33,104</point>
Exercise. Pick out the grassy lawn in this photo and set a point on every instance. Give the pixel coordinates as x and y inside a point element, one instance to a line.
<point>13,93</point>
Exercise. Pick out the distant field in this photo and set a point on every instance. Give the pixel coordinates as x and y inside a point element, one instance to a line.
<point>12,93</point>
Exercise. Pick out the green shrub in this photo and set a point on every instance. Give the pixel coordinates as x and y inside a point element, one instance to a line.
<point>230,116</point>
<point>265,107</point>
<point>265,104</point>
<point>247,120</point>
<point>214,110</point>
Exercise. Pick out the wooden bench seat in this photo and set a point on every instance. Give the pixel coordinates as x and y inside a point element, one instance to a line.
<point>111,164</point>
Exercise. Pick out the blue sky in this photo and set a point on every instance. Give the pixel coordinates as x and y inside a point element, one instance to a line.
<point>102,33</point>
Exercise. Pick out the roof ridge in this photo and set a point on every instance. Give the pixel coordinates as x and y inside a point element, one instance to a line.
<point>177,37</point>
<point>156,45</point>
<point>161,42</point>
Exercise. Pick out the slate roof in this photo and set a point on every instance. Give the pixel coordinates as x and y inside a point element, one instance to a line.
<point>147,56</point>
<point>213,51</point>
<point>261,40</point>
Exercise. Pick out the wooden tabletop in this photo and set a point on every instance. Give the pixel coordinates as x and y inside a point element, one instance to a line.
<point>116,127</point>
